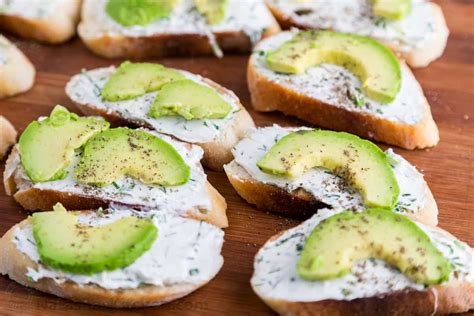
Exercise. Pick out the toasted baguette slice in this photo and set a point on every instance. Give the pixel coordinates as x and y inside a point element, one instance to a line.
<point>17,265</point>
<point>202,201</point>
<point>185,32</point>
<point>215,136</point>
<point>373,289</point>
<point>419,38</point>
<point>17,73</point>
<point>51,22</point>
<point>7,136</point>
<point>406,122</point>
<point>286,197</point>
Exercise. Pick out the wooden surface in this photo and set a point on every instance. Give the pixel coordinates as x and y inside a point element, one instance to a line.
<point>448,83</point>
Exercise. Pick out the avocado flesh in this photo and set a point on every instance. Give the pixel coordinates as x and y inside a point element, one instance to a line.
<point>372,63</point>
<point>391,9</point>
<point>66,245</point>
<point>139,12</point>
<point>358,161</point>
<point>118,152</point>
<point>190,100</point>
<point>131,80</point>
<point>338,241</point>
<point>47,146</point>
<point>213,10</point>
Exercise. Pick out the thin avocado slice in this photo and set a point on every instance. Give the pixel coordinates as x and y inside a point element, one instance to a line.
<point>338,241</point>
<point>139,12</point>
<point>359,161</point>
<point>118,152</point>
<point>66,245</point>
<point>213,10</point>
<point>47,146</point>
<point>190,100</point>
<point>131,80</point>
<point>374,64</point>
<point>391,9</point>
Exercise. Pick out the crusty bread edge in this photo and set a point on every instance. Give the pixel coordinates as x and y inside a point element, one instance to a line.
<point>267,95</point>
<point>55,29</point>
<point>417,58</point>
<point>15,264</point>
<point>7,136</point>
<point>18,74</point>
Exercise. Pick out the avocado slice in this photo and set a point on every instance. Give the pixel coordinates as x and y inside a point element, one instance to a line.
<point>47,146</point>
<point>131,80</point>
<point>391,9</point>
<point>66,245</point>
<point>213,10</point>
<point>334,245</point>
<point>359,161</point>
<point>374,64</point>
<point>139,12</point>
<point>190,100</point>
<point>112,154</point>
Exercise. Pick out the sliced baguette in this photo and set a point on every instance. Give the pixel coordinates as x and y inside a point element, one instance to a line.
<point>7,136</point>
<point>272,95</point>
<point>109,39</point>
<point>217,152</point>
<point>415,57</point>
<point>15,264</point>
<point>17,73</point>
<point>54,28</point>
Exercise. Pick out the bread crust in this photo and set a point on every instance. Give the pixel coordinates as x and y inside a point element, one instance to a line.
<point>300,204</point>
<point>53,29</point>
<point>7,136</point>
<point>216,152</point>
<point>15,264</point>
<point>416,58</point>
<point>267,96</point>
<point>17,75</point>
<point>34,199</point>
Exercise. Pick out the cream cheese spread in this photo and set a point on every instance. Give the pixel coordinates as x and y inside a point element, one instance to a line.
<point>180,199</point>
<point>416,30</point>
<point>85,88</point>
<point>338,86</point>
<point>275,275</point>
<point>321,183</point>
<point>4,48</point>
<point>29,8</point>
<point>186,251</point>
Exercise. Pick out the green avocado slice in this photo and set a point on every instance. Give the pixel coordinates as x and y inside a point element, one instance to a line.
<point>139,12</point>
<point>374,64</point>
<point>391,9</point>
<point>66,245</point>
<point>47,146</point>
<point>213,10</point>
<point>359,161</point>
<point>190,100</point>
<point>338,241</point>
<point>118,152</point>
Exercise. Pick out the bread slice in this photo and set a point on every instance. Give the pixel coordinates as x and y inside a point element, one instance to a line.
<point>203,201</point>
<point>51,22</point>
<point>424,30</point>
<point>185,32</point>
<point>16,264</point>
<point>368,291</point>
<point>269,193</point>
<point>217,141</point>
<point>7,136</point>
<point>17,73</point>
<point>407,122</point>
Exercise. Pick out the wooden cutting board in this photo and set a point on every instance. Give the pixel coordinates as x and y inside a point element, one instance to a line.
<point>449,168</point>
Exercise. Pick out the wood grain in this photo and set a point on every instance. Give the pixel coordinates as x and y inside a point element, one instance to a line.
<point>448,168</point>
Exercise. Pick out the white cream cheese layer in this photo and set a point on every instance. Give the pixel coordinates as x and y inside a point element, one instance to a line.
<point>186,251</point>
<point>416,30</point>
<point>250,16</point>
<point>275,275</point>
<point>29,8</point>
<point>85,88</point>
<point>5,46</point>
<point>180,199</point>
<point>338,86</point>
<point>321,183</point>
